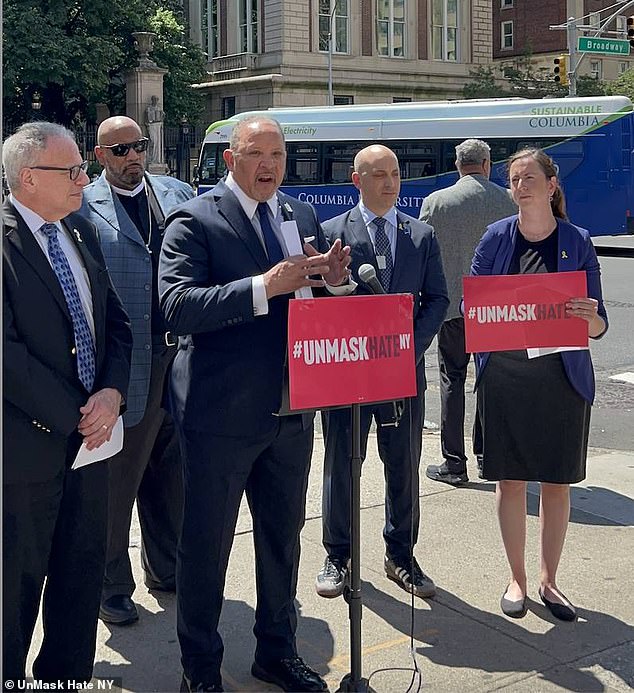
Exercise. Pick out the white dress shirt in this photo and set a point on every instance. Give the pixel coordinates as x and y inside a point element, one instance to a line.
<point>34,221</point>
<point>390,226</point>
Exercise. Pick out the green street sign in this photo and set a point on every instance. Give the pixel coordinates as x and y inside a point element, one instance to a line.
<point>603,45</point>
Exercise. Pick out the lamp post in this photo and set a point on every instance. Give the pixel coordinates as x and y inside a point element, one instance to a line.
<point>331,98</point>
<point>36,104</point>
<point>183,158</point>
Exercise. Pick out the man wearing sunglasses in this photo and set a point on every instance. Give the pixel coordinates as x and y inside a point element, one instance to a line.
<point>129,207</point>
<point>66,363</point>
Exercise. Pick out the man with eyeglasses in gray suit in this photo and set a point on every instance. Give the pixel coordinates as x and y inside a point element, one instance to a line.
<point>129,207</point>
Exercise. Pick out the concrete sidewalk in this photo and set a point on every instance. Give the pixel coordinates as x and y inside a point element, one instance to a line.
<point>462,642</point>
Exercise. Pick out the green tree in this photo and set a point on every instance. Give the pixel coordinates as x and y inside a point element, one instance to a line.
<point>623,85</point>
<point>483,85</point>
<point>73,53</point>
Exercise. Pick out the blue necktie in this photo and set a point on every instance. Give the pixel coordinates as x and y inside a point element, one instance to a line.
<point>83,337</point>
<point>273,247</point>
<point>382,247</point>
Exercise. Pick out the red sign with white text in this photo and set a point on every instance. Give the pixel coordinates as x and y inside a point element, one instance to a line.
<point>350,349</point>
<point>522,311</point>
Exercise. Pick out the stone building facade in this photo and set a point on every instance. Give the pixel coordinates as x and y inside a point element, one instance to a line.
<point>266,53</point>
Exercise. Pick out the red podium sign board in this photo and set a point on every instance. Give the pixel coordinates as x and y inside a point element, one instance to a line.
<point>522,311</point>
<point>350,350</point>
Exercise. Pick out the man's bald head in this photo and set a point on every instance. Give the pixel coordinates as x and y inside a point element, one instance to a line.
<point>367,156</point>
<point>121,171</point>
<point>377,177</point>
<point>111,130</point>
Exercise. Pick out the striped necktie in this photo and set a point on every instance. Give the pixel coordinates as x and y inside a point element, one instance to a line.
<point>83,338</point>
<point>382,247</point>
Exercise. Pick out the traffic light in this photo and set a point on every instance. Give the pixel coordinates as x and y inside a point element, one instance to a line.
<point>561,70</point>
<point>630,30</point>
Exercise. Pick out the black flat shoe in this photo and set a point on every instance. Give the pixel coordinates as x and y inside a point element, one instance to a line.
<point>561,611</point>
<point>513,609</point>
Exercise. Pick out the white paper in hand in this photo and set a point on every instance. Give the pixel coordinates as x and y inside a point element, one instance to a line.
<point>108,449</point>
<point>290,233</point>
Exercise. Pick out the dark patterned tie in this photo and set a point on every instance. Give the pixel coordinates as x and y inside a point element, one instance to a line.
<point>83,337</point>
<point>273,247</point>
<point>382,247</point>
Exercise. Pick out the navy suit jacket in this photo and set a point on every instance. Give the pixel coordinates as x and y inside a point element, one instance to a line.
<point>575,252</point>
<point>417,271</point>
<point>227,375</point>
<point>130,268</point>
<point>42,392</point>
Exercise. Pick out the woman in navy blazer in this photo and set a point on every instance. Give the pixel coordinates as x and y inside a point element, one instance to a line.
<point>536,412</point>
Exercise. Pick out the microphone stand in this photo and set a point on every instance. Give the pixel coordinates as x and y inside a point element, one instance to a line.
<point>354,681</point>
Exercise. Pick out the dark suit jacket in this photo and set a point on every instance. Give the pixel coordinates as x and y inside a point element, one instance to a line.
<point>42,392</point>
<point>417,271</point>
<point>227,377</point>
<point>576,252</point>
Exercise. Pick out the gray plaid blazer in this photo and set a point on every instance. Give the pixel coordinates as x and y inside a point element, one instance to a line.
<point>130,268</point>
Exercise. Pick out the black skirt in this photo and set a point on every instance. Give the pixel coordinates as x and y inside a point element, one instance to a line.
<point>535,424</point>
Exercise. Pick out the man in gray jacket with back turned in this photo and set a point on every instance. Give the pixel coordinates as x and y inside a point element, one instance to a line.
<point>460,215</point>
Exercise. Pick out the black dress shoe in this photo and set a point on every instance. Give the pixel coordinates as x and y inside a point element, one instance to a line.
<point>564,612</point>
<point>118,610</point>
<point>442,473</point>
<point>188,685</point>
<point>151,584</point>
<point>292,674</point>
<point>513,609</point>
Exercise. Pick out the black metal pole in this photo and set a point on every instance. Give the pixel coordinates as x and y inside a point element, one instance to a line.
<point>354,681</point>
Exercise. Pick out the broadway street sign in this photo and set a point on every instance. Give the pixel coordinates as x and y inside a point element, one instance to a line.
<point>587,44</point>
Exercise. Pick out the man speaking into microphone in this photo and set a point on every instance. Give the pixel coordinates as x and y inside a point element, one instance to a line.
<point>404,257</point>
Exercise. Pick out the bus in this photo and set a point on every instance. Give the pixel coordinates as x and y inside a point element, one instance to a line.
<point>591,139</point>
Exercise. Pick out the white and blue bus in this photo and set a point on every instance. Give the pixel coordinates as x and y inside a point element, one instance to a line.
<point>591,139</point>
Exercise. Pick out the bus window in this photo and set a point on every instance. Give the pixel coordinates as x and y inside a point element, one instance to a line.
<point>212,166</point>
<point>338,161</point>
<point>302,163</point>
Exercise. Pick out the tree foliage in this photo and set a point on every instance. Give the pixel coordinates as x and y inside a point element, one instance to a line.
<point>523,78</point>
<point>73,53</point>
<point>623,85</point>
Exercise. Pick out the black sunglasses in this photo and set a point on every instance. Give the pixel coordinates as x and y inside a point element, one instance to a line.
<point>122,149</point>
<point>73,171</point>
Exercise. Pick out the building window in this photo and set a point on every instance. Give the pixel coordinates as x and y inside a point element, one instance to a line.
<point>506,3</point>
<point>444,33</point>
<point>340,25</point>
<point>401,99</point>
<point>343,100</point>
<point>390,28</point>
<point>595,20</point>
<point>507,34</point>
<point>623,67</point>
<point>228,106</point>
<point>621,24</point>
<point>248,18</point>
<point>210,27</point>
<point>595,69</point>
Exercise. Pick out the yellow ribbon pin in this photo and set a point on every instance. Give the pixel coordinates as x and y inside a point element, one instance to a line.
<point>564,255</point>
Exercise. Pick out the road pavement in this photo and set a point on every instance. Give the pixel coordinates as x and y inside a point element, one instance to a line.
<point>461,640</point>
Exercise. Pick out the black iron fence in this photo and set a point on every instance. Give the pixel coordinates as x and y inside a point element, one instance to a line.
<point>181,147</point>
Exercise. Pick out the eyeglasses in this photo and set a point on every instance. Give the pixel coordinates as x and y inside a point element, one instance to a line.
<point>73,171</point>
<point>122,149</point>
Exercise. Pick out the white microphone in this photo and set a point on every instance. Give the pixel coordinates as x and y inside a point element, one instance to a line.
<point>367,274</point>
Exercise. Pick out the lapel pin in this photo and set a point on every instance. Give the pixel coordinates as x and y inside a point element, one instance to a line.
<point>404,227</point>
<point>77,236</point>
<point>288,207</point>
<point>564,255</point>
